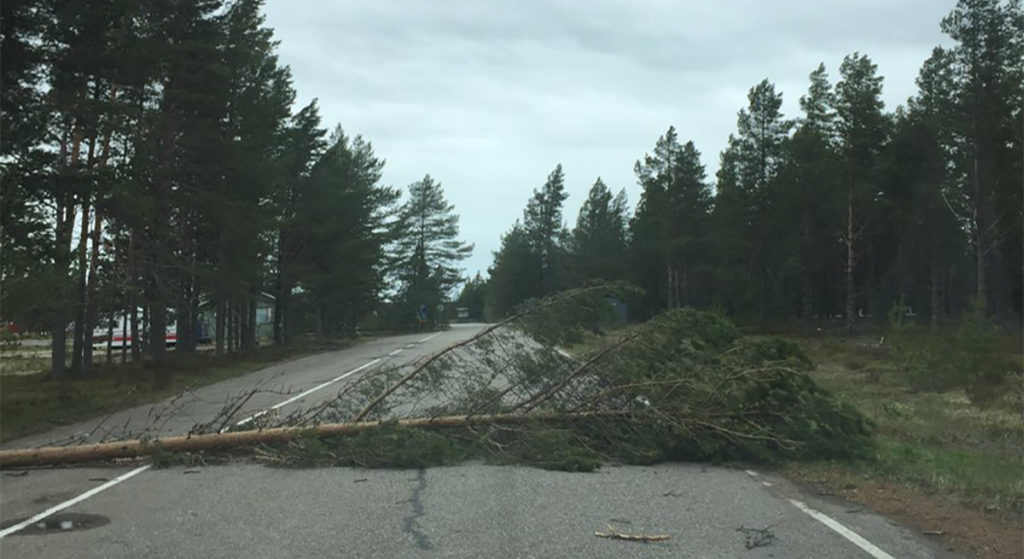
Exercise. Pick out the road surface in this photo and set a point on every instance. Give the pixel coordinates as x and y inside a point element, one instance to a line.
<point>471,510</point>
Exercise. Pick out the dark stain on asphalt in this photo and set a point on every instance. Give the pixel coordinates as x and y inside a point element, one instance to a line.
<point>410,524</point>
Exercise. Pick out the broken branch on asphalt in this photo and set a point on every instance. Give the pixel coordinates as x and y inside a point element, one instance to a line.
<point>615,535</point>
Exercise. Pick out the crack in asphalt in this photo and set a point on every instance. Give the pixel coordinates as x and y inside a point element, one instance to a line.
<point>410,524</point>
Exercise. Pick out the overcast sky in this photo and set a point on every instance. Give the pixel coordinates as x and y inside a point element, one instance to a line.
<point>487,97</point>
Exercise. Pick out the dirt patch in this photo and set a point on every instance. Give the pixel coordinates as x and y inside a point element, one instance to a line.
<point>959,527</point>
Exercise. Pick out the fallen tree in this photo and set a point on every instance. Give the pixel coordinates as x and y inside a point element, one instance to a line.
<point>683,386</point>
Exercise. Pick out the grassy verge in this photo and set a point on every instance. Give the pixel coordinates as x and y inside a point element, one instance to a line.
<point>34,403</point>
<point>930,442</point>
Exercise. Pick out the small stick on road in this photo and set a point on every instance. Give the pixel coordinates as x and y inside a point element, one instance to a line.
<point>614,535</point>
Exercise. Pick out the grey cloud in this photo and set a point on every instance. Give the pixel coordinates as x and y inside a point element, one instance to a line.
<point>489,96</point>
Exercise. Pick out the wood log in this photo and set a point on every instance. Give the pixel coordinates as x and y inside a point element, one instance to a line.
<point>137,448</point>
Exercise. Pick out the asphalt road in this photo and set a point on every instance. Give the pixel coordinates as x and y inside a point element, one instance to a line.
<point>473,510</point>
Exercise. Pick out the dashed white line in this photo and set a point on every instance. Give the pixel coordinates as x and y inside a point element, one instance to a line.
<point>843,531</point>
<point>124,477</point>
<point>430,337</point>
<point>57,508</point>
<point>301,395</point>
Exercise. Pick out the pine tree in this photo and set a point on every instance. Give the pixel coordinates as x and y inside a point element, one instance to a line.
<point>542,223</point>
<point>598,242</point>
<point>303,142</point>
<point>861,129</point>
<point>513,276</point>
<point>27,280</point>
<point>346,215</point>
<point>428,249</point>
<point>988,67</point>
<point>669,233</point>
<point>807,200</point>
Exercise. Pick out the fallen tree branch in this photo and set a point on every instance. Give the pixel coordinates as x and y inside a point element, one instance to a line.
<point>52,456</point>
<point>546,303</point>
<point>614,535</point>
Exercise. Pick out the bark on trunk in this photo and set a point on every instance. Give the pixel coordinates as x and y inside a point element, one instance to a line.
<point>91,303</point>
<point>850,261</point>
<point>77,346</point>
<point>52,456</point>
<point>936,303</point>
<point>222,310</point>
<point>62,260</point>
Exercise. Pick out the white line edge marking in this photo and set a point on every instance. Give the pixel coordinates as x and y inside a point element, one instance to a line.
<point>301,395</point>
<point>57,508</point>
<point>430,337</point>
<point>126,476</point>
<point>751,473</point>
<point>843,531</point>
<point>394,353</point>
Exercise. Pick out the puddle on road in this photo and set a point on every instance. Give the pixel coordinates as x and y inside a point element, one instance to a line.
<point>67,522</point>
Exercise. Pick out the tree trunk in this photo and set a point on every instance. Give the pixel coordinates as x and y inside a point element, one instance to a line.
<point>61,262</point>
<point>936,303</point>
<point>850,262</point>
<point>129,312</point>
<point>77,347</point>
<point>158,330</point>
<point>91,303</point>
<point>252,323</point>
<point>233,326</point>
<point>134,317</point>
<point>209,442</point>
<point>222,311</point>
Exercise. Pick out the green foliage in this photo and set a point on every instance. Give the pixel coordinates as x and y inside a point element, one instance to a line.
<point>566,317</point>
<point>775,350</point>
<point>391,446</point>
<point>473,297</point>
<point>552,449</point>
<point>427,252</point>
<point>597,245</point>
<point>969,359</point>
<point>670,238</point>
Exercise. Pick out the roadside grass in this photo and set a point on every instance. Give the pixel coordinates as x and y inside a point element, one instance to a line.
<point>22,363</point>
<point>933,442</point>
<point>33,403</point>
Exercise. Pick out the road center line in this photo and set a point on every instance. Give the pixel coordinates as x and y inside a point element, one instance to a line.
<point>843,531</point>
<point>430,337</point>
<point>126,476</point>
<point>301,395</point>
<point>57,508</point>
<point>394,353</point>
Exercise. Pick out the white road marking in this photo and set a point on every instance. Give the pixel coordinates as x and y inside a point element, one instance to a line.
<point>410,346</point>
<point>766,484</point>
<point>843,531</point>
<point>57,508</point>
<point>301,395</point>
<point>124,477</point>
<point>394,353</point>
<point>430,337</point>
<point>751,473</point>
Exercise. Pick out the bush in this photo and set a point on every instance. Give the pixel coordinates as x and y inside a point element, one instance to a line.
<point>775,350</point>
<point>969,359</point>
